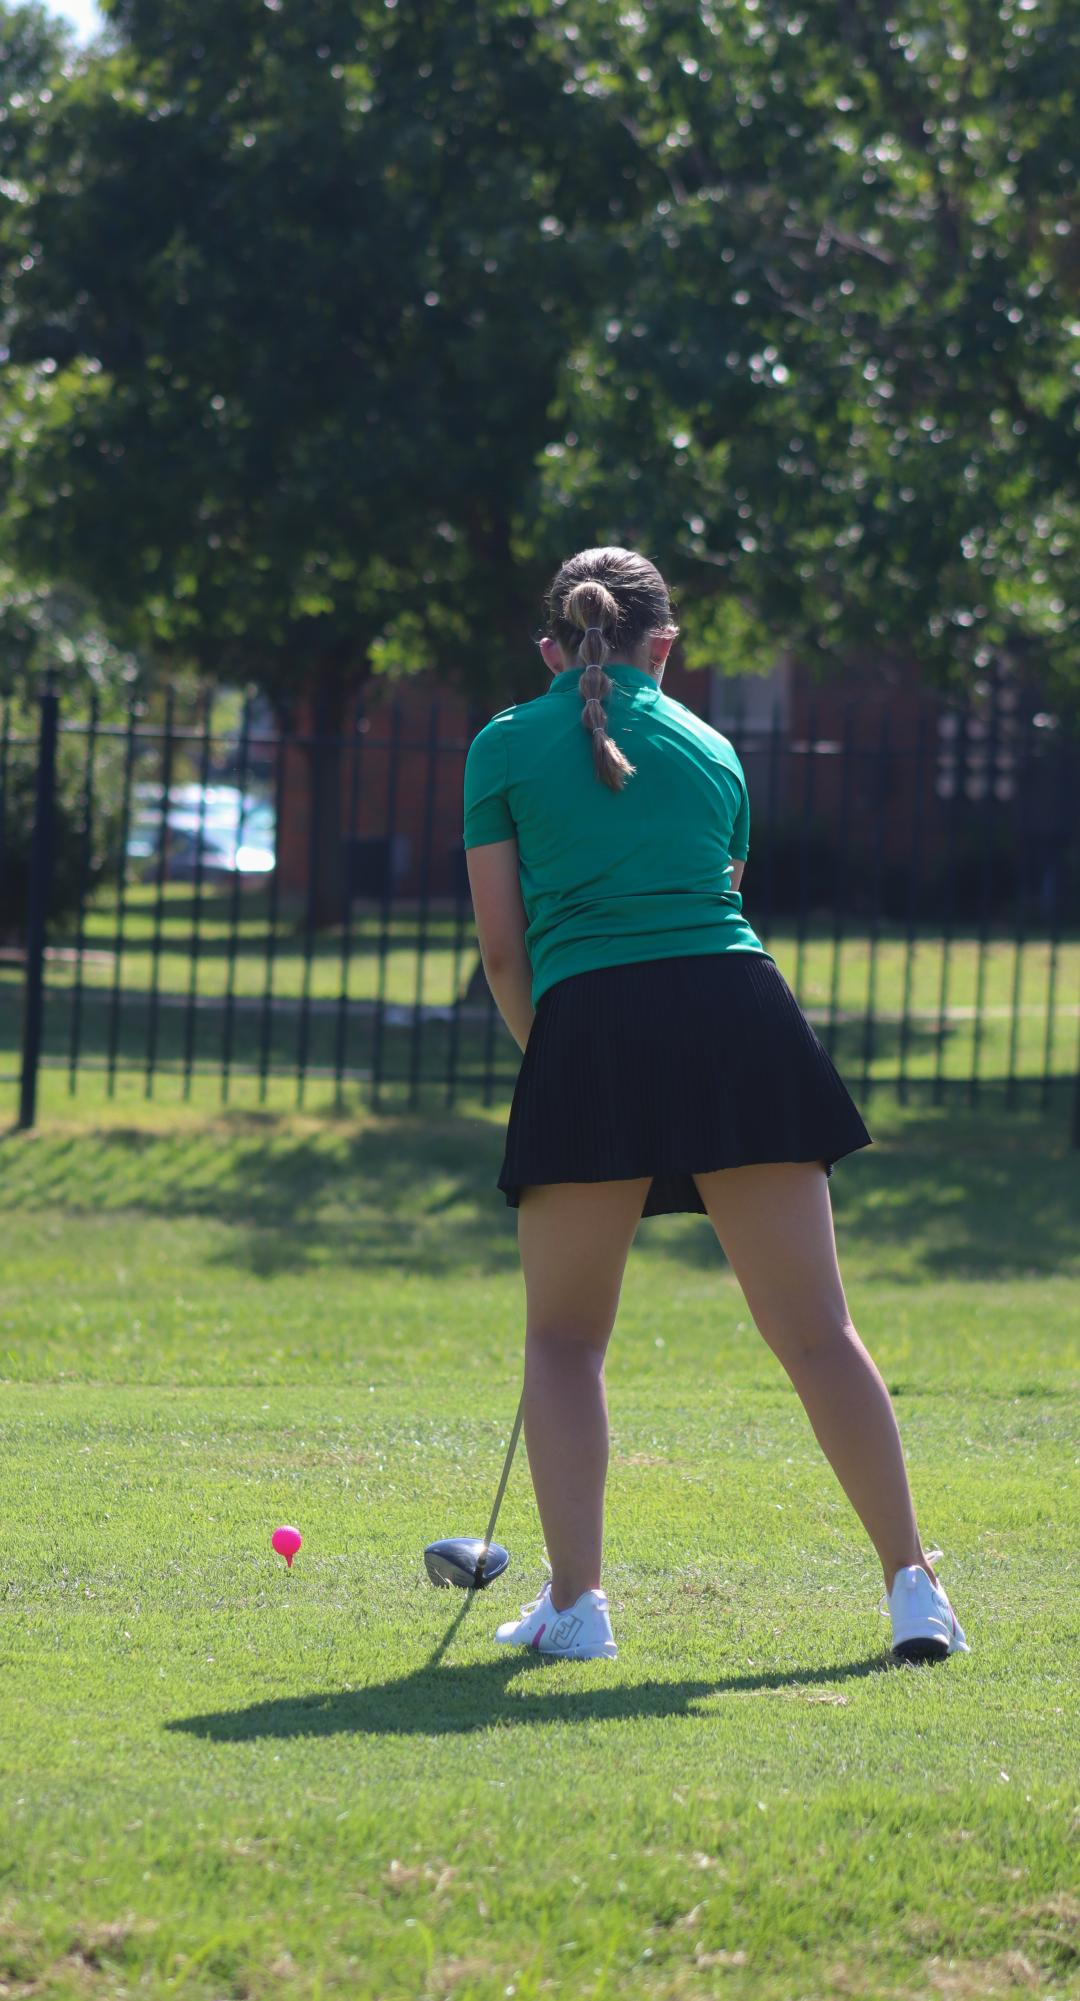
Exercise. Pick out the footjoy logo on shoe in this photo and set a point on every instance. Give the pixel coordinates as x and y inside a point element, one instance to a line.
<point>565,1630</point>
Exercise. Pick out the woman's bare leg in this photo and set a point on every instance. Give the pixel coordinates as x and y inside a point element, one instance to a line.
<point>775,1226</point>
<point>574,1239</point>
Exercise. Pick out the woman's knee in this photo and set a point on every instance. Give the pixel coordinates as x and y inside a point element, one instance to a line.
<point>571,1337</point>
<point>798,1338</point>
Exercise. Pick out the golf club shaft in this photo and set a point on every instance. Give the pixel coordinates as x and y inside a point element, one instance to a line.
<point>510,1450</point>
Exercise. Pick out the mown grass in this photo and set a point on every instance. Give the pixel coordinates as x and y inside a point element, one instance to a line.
<point>219,1779</point>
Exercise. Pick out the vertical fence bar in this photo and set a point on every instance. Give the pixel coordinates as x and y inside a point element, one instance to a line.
<point>387,897</point>
<point>738,726</point>
<point>808,806</point>
<point>1055,933</point>
<point>341,1029</point>
<point>959,779</point>
<point>487,1061</point>
<point>417,1031</point>
<point>1075,1135</point>
<point>159,898</point>
<point>121,901</point>
<point>234,902</point>
<point>769,886</point>
<point>914,871</point>
<point>986,876</point>
<point>37,905</point>
<point>85,857</point>
<point>461,908</point>
<point>738,736</point>
<point>5,743</point>
<point>841,886</point>
<point>491,1020</point>
<point>315,829</point>
<point>265,1020</point>
<point>461,919</point>
<point>1021,780</point>
<point>882,789</point>
<point>191,1009</point>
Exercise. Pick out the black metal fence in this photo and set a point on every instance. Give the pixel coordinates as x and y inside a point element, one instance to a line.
<point>282,915</point>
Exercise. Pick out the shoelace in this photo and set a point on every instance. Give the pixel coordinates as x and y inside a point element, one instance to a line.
<point>883,1602</point>
<point>541,1595</point>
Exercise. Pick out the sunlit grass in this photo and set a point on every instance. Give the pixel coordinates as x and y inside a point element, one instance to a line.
<point>224,1781</point>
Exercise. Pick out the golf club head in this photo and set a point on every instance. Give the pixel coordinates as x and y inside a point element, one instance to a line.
<point>456,1560</point>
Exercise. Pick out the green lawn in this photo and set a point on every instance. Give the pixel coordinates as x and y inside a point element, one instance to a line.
<point>218,1779</point>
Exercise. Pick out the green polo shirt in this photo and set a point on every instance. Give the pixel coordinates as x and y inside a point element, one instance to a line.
<point>613,878</point>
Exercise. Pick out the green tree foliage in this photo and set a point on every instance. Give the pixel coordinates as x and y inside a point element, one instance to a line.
<point>843,383</point>
<point>53,630</point>
<point>333,327</point>
<point>296,327</point>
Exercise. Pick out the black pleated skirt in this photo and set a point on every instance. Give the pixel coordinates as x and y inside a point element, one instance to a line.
<point>671,1068</point>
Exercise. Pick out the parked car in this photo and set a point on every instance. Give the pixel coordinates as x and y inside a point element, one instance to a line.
<point>232,832</point>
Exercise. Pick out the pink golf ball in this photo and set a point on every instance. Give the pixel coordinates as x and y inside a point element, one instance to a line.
<point>287,1541</point>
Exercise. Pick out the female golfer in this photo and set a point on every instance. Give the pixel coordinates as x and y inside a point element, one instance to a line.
<point>667,1066</point>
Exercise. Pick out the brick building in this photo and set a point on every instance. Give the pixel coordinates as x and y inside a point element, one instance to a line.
<point>871,765</point>
<point>400,776</point>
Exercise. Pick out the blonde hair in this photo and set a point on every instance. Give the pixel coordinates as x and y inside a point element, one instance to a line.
<point>609,597</point>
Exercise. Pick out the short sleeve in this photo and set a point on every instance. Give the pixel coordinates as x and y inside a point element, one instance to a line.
<point>487,812</point>
<point>740,832</point>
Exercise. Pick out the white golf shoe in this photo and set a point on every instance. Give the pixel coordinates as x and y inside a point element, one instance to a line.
<point>925,1627</point>
<point>581,1633</point>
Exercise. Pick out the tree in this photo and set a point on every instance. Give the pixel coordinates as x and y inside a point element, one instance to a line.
<point>330,330</point>
<point>841,386</point>
<point>281,372</point>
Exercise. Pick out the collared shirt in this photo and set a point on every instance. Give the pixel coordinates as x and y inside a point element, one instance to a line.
<point>613,878</point>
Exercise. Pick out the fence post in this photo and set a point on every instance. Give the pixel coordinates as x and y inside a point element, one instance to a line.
<point>37,903</point>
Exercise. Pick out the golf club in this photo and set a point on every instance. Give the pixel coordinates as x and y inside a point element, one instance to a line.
<point>465,1560</point>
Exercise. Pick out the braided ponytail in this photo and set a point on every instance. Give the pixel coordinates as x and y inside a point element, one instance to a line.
<point>591,608</point>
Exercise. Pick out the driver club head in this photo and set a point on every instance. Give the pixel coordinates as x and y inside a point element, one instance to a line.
<point>456,1560</point>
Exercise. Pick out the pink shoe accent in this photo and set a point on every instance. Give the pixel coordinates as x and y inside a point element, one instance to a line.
<point>539,1634</point>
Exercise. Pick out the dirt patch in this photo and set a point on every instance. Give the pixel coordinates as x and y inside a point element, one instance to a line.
<point>434,1876</point>
<point>985,1979</point>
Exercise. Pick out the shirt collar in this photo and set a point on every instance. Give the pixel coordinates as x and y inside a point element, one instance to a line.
<point>630,678</point>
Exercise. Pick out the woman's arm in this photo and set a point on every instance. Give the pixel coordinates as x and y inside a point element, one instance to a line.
<point>511,984</point>
<point>500,926</point>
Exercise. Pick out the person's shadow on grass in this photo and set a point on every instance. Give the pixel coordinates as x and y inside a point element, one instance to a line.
<point>436,1701</point>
